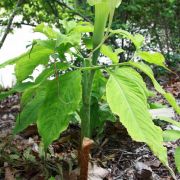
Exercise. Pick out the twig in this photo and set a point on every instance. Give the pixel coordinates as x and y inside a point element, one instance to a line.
<point>54,11</point>
<point>10,22</point>
<point>20,23</point>
<point>71,9</point>
<point>26,24</point>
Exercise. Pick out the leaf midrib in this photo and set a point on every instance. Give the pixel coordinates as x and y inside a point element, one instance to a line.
<point>133,114</point>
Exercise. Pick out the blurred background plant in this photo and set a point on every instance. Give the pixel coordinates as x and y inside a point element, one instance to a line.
<point>158,21</point>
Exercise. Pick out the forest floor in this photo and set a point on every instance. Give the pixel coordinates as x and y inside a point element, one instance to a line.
<point>114,156</point>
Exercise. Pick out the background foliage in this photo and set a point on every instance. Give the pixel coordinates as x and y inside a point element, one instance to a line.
<point>158,21</point>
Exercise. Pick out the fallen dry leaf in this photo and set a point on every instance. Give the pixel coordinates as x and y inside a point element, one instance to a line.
<point>9,175</point>
<point>143,171</point>
<point>97,173</point>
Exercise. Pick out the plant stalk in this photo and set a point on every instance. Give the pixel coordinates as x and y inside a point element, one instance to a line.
<point>101,16</point>
<point>86,102</point>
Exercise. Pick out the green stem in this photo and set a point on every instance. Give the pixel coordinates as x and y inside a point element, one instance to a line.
<point>88,76</point>
<point>86,101</point>
<point>90,68</point>
<point>101,16</point>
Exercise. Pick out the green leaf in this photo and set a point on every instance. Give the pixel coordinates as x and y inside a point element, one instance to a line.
<point>49,44</point>
<point>95,124</point>
<point>30,111</point>
<point>155,57</point>
<point>94,2</point>
<point>17,88</point>
<point>169,120</point>
<point>156,105</point>
<point>72,38</point>
<point>48,72</point>
<point>68,25</point>
<point>136,77</point>
<point>46,30</point>
<point>112,3</point>
<point>137,39</point>
<point>177,158</point>
<point>148,71</point>
<point>88,43</point>
<point>5,94</point>
<point>62,99</point>
<point>13,61</point>
<point>118,2</point>
<point>119,51</point>
<point>107,51</point>
<point>105,113</point>
<point>51,178</point>
<point>100,113</point>
<point>127,99</point>
<point>123,33</point>
<point>9,62</point>
<point>84,27</point>
<point>172,101</point>
<point>99,85</point>
<point>27,63</point>
<point>171,135</point>
<point>28,95</point>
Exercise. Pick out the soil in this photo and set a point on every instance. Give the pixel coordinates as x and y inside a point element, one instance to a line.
<point>114,155</point>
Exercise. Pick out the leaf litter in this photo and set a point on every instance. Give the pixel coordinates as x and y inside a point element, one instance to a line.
<point>113,156</point>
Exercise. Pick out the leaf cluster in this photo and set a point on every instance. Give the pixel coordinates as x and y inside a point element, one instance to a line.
<point>58,94</point>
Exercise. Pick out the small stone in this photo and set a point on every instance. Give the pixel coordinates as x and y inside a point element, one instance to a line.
<point>15,108</point>
<point>11,117</point>
<point>154,163</point>
<point>35,148</point>
<point>4,117</point>
<point>143,171</point>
